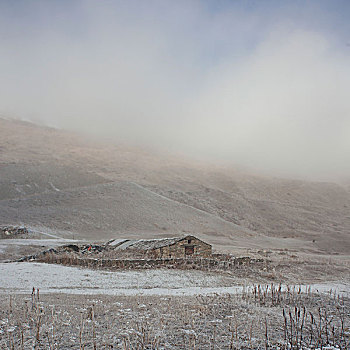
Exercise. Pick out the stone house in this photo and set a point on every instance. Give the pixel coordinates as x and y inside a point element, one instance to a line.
<point>177,247</point>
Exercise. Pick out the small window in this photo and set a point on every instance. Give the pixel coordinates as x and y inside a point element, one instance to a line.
<point>189,241</point>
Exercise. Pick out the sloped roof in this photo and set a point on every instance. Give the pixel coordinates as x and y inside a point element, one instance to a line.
<point>146,244</point>
<point>116,242</point>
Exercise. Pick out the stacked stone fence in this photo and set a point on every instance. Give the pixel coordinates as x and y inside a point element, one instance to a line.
<point>171,263</point>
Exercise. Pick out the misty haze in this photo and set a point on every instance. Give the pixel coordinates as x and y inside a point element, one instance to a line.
<point>174,174</point>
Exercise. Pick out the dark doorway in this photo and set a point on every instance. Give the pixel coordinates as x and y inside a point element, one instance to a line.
<point>189,250</point>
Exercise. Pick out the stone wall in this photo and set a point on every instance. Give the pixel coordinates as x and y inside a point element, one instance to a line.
<point>178,250</point>
<point>173,263</point>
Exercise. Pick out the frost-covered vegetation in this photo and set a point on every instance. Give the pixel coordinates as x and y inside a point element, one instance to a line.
<point>262,317</point>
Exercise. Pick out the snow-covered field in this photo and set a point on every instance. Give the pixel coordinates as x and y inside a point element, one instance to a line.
<point>22,277</point>
<point>18,278</point>
<point>39,242</point>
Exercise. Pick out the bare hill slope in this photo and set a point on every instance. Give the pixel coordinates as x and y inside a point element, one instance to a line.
<point>122,209</point>
<point>20,180</point>
<point>63,181</point>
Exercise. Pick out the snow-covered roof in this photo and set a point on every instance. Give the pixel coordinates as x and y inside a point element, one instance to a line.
<point>146,244</point>
<point>115,242</point>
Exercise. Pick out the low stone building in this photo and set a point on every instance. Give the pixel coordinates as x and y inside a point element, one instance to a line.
<point>177,247</point>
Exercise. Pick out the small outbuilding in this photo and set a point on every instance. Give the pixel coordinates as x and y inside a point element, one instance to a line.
<point>177,247</point>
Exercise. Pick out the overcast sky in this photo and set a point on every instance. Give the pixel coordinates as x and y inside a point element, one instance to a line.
<point>262,84</point>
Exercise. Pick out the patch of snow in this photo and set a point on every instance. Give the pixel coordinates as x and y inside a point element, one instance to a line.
<point>29,241</point>
<point>22,277</point>
<point>54,187</point>
<point>44,233</point>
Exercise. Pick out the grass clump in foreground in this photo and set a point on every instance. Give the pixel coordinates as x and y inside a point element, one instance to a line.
<point>261,317</point>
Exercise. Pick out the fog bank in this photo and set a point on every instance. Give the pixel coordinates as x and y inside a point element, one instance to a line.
<point>265,87</point>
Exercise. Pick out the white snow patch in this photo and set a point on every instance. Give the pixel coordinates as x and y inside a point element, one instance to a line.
<point>22,277</point>
<point>40,242</point>
<point>54,187</point>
